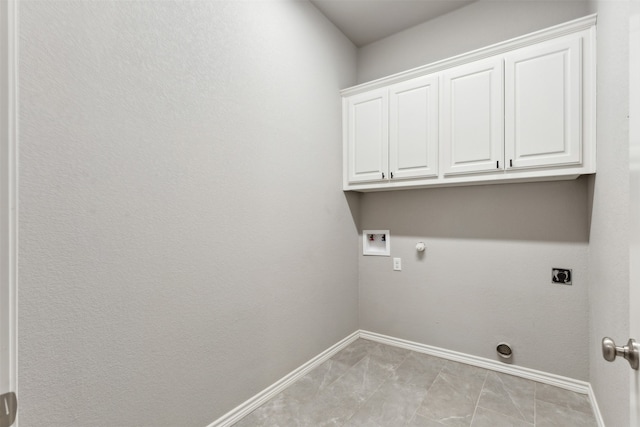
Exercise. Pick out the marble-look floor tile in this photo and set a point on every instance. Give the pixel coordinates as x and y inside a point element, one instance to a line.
<point>473,374</point>
<point>308,387</point>
<point>393,404</point>
<point>452,398</point>
<point>550,415</point>
<point>332,407</point>
<point>388,355</point>
<point>419,421</point>
<point>488,418</point>
<point>419,369</point>
<point>354,352</point>
<point>375,385</point>
<point>279,411</point>
<point>561,397</point>
<point>509,395</point>
<point>362,380</point>
<point>284,408</point>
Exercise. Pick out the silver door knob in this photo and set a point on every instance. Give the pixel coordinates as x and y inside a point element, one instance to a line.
<point>631,351</point>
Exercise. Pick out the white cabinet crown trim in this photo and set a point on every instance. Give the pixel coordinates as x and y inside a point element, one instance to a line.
<point>559,30</point>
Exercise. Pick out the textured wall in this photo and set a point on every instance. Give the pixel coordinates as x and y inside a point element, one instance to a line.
<point>609,240</point>
<point>480,24</point>
<point>486,274</point>
<point>183,239</point>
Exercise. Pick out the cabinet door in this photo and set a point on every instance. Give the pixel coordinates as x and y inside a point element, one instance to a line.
<point>368,136</point>
<point>413,128</point>
<point>472,117</point>
<point>543,109</point>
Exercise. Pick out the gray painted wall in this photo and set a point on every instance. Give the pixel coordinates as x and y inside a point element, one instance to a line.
<point>609,240</point>
<point>480,24</point>
<point>184,241</point>
<point>183,234</point>
<point>486,274</point>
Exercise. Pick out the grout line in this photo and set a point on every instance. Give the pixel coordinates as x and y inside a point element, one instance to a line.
<point>385,380</point>
<point>535,405</point>
<point>475,409</point>
<point>391,378</point>
<point>349,367</point>
<point>245,408</point>
<point>415,413</point>
<point>506,388</point>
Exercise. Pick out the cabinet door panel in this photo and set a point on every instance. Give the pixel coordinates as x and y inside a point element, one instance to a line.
<point>413,128</point>
<point>472,117</point>
<point>543,117</point>
<point>368,135</point>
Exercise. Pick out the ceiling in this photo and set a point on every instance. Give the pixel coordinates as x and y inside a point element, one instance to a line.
<point>365,21</point>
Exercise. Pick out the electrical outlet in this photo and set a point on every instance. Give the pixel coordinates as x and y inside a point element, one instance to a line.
<point>397,264</point>
<point>561,276</point>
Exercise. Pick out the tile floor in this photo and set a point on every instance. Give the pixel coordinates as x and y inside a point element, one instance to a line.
<point>371,384</point>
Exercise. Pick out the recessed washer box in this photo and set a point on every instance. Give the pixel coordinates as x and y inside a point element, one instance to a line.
<point>376,242</point>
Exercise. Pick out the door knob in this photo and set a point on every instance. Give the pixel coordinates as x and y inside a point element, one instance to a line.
<point>631,351</point>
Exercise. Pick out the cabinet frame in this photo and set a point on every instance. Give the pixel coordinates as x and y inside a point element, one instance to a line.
<point>403,137</point>
<point>365,141</point>
<point>568,50</point>
<point>584,29</point>
<point>489,159</point>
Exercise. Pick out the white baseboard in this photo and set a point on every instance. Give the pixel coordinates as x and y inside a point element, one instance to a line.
<point>595,407</point>
<point>250,405</point>
<point>566,383</point>
<point>518,371</point>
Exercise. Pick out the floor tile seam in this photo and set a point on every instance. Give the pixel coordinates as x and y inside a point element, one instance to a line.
<point>457,374</point>
<point>431,385</point>
<point>475,408</point>
<point>426,386</point>
<point>415,411</point>
<point>361,404</point>
<point>444,379</point>
<point>506,388</point>
<point>524,418</point>
<point>366,353</point>
<point>535,407</point>
<point>505,415</point>
<point>567,405</point>
<point>394,369</point>
<point>396,366</point>
<point>403,360</point>
<point>595,422</point>
<point>591,414</point>
<point>415,414</point>
<point>344,373</point>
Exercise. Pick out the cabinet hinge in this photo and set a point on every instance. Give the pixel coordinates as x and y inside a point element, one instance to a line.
<point>8,409</point>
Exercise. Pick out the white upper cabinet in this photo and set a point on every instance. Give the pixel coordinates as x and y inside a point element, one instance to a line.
<point>368,134</point>
<point>472,117</point>
<point>413,128</point>
<point>517,111</point>
<point>393,132</point>
<point>543,114</point>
